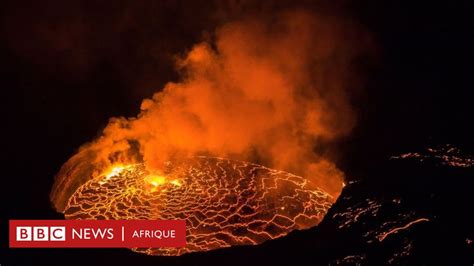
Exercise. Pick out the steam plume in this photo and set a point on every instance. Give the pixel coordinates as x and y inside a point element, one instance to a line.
<point>265,90</point>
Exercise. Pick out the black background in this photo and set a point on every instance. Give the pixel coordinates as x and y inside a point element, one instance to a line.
<point>67,66</point>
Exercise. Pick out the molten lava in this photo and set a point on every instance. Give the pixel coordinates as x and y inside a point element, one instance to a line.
<point>224,202</point>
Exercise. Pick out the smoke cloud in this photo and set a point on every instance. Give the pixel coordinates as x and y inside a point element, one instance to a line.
<point>266,90</point>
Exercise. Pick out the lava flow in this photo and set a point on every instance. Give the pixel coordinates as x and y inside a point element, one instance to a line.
<point>224,202</point>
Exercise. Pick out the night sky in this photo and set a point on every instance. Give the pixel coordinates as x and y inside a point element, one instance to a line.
<point>68,66</point>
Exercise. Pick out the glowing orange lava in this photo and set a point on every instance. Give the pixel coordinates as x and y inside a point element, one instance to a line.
<point>224,202</point>
<point>276,93</point>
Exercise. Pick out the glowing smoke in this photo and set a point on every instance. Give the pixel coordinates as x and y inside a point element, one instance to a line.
<point>262,90</point>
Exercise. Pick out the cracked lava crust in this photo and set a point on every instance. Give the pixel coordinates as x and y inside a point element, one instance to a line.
<point>224,202</point>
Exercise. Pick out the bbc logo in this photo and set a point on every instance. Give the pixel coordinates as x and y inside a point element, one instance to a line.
<point>40,233</point>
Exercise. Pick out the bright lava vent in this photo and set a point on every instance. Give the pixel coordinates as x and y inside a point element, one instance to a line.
<point>224,202</point>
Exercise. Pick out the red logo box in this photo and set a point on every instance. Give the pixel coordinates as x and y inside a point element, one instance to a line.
<point>97,233</point>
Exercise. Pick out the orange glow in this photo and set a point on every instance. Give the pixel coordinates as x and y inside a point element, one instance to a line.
<point>155,180</point>
<point>175,182</point>
<point>112,171</point>
<point>270,93</point>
